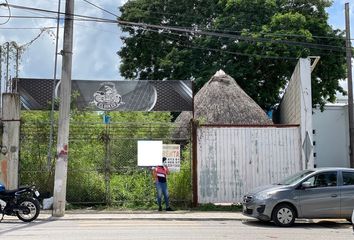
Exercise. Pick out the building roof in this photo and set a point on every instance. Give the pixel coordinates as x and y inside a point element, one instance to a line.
<point>222,101</point>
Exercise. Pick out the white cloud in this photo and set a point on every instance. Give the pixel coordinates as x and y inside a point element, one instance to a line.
<point>95,44</point>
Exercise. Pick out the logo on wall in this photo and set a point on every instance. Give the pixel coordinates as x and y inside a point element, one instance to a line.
<point>107,97</point>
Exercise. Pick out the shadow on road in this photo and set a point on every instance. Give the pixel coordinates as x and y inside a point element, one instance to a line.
<point>14,225</point>
<point>301,224</point>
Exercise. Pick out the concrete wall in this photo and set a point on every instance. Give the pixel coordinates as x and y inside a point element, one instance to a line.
<point>296,108</point>
<point>290,107</point>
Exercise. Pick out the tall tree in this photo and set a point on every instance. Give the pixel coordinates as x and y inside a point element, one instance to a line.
<point>256,42</point>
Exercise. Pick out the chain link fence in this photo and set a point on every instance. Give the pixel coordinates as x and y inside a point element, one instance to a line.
<point>102,165</point>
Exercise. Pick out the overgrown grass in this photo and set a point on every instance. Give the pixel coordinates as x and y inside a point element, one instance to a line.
<point>215,207</point>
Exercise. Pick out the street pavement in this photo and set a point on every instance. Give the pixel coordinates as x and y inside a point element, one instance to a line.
<point>142,225</point>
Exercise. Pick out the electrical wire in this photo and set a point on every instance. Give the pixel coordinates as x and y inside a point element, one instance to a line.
<point>225,30</point>
<point>87,18</point>
<point>207,33</point>
<point>194,32</point>
<point>9,10</point>
<point>236,37</point>
<point>188,45</point>
<point>28,17</point>
<point>114,21</point>
<point>228,30</point>
<point>96,6</point>
<point>223,51</point>
<point>51,132</point>
<point>25,28</point>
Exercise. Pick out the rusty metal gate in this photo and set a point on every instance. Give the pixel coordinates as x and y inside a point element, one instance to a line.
<point>102,167</point>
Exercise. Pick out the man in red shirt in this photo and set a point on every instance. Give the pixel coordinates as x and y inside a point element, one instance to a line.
<point>160,176</point>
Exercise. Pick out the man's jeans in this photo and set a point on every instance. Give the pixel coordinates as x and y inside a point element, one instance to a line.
<point>161,188</point>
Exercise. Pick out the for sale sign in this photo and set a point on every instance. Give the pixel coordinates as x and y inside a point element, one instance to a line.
<point>172,153</point>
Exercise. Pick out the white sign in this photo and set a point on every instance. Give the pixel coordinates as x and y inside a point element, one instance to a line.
<point>149,153</point>
<point>172,153</point>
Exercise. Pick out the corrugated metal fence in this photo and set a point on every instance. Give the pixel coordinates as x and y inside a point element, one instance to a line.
<point>233,160</point>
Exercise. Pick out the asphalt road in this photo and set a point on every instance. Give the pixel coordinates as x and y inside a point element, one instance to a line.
<point>94,229</point>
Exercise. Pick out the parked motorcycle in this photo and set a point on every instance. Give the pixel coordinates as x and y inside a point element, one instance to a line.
<point>22,202</point>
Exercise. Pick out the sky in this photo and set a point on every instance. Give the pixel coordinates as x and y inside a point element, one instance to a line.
<point>95,44</point>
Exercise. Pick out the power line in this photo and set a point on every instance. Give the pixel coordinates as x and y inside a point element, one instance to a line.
<point>199,32</point>
<point>25,28</point>
<point>227,30</point>
<point>61,13</point>
<point>28,17</point>
<point>220,50</point>
<point>236,53</point>
<point>212,49</point>
<point>193,31</point>
<point>8,17</point>
<point>228,52</point>
<point>80,18</point>
<point>96,6</point>
<point>114,21</point>
<point>97,29</point>
<point>237,37</point>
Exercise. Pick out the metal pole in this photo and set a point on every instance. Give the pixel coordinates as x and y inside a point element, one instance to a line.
<point>49,157</point>
<point>194,155</point>
<point>61,166</point>
<point>17,61</point>
<point>350,85</point>
<point>7,65</point>
<point>107,165</point>
<point>194,164</point>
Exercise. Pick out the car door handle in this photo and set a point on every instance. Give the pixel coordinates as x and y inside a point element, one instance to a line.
<point>334,195</point>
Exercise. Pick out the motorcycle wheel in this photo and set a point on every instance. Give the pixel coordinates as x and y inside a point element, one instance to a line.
<point>33,210</point>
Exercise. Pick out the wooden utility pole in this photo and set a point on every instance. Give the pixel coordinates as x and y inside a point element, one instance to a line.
<point>61,166</point>
<point>350,85</point>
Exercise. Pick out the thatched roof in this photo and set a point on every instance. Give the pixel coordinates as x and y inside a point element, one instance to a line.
<point>222,101</point>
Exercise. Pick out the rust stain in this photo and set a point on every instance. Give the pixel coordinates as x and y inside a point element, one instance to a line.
<point>4,171</point>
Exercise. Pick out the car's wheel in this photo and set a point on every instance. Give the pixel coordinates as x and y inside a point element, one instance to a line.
<point>283,215</point>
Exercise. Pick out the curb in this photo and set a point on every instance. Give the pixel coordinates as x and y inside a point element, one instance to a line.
<point>144,215</point>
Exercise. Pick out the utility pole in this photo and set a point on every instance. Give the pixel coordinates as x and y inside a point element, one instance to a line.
<point>61,165</point>
<point>350,85</point>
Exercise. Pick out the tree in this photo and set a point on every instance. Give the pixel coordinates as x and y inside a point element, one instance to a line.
<point>257,43</point>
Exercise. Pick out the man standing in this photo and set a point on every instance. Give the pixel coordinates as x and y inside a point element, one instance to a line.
<point>160,176</point>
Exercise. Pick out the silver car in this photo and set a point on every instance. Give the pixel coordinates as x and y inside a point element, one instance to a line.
<point>317,193</point>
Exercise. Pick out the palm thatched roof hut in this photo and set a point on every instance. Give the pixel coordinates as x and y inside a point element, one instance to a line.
<point>222,101</point>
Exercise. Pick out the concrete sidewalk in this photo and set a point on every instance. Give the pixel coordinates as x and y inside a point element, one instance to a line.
<point>143,215</point>
<point>180,215</point>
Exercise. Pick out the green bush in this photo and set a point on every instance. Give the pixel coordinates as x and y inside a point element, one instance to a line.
<point>180,187</point>
<point>133,190</point>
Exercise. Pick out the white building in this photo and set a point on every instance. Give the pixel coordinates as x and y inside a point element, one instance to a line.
<point>331,135</point>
